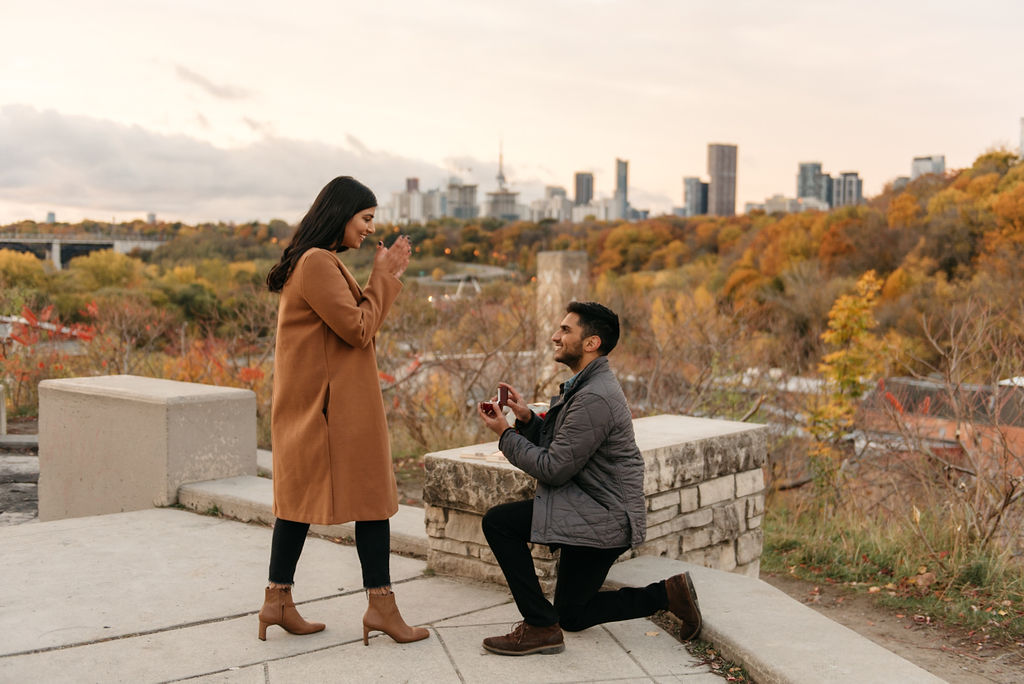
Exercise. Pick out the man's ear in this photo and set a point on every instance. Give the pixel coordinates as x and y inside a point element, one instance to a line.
<point>592,343</point>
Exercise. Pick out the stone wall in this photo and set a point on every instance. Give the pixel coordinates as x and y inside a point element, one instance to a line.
<point>703,483</point>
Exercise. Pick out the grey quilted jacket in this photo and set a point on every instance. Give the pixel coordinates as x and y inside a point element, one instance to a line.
<point>589,470</point>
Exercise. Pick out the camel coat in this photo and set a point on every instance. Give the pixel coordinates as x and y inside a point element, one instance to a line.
<point>332,457</point>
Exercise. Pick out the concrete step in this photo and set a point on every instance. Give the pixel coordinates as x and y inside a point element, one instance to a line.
<point>19,442</point>
<point>777,638</point>
<point>251,499</point>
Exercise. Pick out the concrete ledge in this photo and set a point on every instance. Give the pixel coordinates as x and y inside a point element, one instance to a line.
<point>19,441</point>
<point>779,640</point>
<point>251,499</point>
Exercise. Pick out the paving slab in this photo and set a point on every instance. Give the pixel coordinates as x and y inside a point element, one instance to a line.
<point>776,638</point>
<point>128,573</point>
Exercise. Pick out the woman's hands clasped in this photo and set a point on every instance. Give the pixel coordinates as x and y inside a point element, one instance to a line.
<point>394,259</point>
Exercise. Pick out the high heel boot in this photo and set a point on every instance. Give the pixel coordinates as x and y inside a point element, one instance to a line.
<point>279,609</point>
<point>382,615</point>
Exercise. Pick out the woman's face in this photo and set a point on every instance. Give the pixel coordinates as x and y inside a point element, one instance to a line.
<point>357,228</point>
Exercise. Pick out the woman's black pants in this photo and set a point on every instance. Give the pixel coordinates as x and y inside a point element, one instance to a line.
<point>373,544</point>
<point>579,603</point>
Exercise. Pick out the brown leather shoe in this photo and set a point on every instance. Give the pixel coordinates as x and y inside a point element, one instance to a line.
<point>682,602</point>
<point>525,639</point>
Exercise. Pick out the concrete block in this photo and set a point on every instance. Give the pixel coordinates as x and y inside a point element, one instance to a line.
<point>749,482</point>
<point>719,489</point>
<point>121,442</point>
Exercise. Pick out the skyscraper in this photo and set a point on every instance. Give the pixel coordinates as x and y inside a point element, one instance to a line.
<point>695,196</point>
<point>924,165</point>
<point>811,182</point>
<point>847,189</point>
<point>722,169</point>
<point>621,186</point>
<point>584,188</point>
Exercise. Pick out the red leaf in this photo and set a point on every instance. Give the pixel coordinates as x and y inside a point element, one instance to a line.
<point>27,314</point>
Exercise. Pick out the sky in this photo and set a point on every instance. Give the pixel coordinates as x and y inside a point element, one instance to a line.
<point>223,110</point>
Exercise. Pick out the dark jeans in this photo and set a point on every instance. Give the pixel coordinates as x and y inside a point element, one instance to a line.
<point>579,603</point>
<point>373,544</point>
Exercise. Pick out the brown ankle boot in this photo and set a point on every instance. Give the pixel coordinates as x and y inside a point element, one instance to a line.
<point>382,615</point>
<point>279,609</point>
<point>525,639</point>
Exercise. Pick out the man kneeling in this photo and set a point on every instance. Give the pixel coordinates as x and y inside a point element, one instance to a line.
<point>589,501</point>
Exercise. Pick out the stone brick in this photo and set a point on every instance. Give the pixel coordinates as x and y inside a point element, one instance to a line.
<point>749,482</point>
<point>755,505</point>
<point>465,527</point>
<point>664,500</point>
<point>720,557</point>
<point>726,524</point>
<point>696,539</point>
<point>667,547</point>
<point>719,489</point>
<point>755,522</point>
<point>455,547</point>
<point>748,546</point>
<point>752,569</point>
<point>462,566</point>
<point>662,516</point>
<point>689,499</point>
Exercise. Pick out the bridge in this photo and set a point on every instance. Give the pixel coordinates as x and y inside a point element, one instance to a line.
<point>61,249</point>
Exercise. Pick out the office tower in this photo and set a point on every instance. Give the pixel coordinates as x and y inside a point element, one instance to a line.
<point>460,200</point>
<point>922,166</point>
<point>811,182</point>
<point>621,188</point>
<point>584,188</point>
<point>412,184</point>
<point>51,217</point>
<point>722,170</point>
<point>847,189</point>
<point>695,196</point>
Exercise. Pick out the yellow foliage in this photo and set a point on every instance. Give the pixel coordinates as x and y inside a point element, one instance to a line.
<point>904,210</point>
<point>20,268</point>
<point>107,268</point>
<point>983,185</point>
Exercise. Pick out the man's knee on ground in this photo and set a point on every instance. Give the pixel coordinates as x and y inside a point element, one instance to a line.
<point>570,618</point>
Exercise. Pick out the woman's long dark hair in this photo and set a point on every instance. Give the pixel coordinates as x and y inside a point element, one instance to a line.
<point>323,225</point>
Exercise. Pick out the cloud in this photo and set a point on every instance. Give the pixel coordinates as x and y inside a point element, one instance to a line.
<point>57,160</point>
<point>224,92</point>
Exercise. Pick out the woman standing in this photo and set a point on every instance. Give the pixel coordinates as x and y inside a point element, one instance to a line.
<point>332,458</point>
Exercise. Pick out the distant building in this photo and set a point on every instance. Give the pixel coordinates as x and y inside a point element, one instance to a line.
<point>847,189</point>
<point>412,184</point>
<point>461,200</point>
<point>695,196</point>
<point>900,182</point>
<point>605,209</point>
<point>812,182</point>
<point>922,166</point>
<point>812,204</point>
<point>584,188</point>
<point>51,217</point>
<point>752,206</point>
<point>622,188</point>
<point>151,218</point>
<point>502,203</point>
<point>722,170</point>
<point>781,204</point>
<point>555,205</point>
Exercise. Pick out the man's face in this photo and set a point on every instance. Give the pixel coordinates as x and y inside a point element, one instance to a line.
<point>568,341</point>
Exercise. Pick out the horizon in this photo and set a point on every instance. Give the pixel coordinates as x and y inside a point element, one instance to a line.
<point>120,116</point>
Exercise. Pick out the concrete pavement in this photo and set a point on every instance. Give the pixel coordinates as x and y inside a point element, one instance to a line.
<point>168,595</point>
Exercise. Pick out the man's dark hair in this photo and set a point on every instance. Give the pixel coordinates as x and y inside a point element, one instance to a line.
<point>597,319</point>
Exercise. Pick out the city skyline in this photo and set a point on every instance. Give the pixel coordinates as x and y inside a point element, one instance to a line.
<point>239,111</point>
